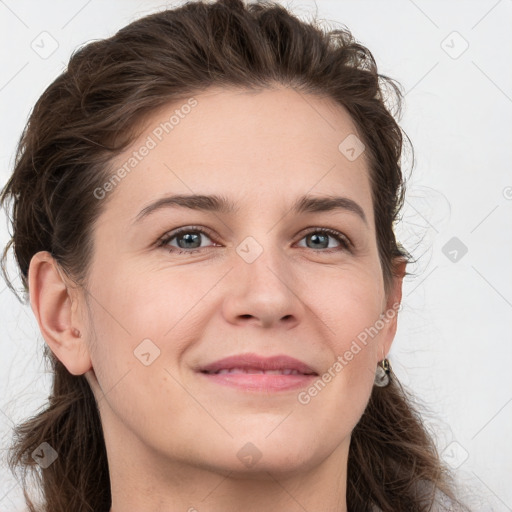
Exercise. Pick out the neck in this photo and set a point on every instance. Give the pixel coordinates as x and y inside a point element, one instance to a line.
<point>155,485</point>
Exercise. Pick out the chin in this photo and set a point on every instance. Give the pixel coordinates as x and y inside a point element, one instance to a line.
<point>259,454</point>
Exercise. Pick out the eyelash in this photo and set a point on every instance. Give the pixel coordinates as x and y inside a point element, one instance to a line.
<point>346,245</point>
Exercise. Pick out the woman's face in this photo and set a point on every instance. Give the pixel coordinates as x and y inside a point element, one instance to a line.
<point>255,276</point>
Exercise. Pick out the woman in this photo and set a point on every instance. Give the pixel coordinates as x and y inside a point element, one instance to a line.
<point>247,370</point>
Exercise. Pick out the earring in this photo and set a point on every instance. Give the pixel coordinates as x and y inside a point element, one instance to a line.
<point>382,375</point>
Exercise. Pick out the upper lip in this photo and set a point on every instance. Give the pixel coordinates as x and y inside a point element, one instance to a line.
<point>254,361</point>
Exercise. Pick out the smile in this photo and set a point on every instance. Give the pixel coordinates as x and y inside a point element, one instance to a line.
<point>286,371</point>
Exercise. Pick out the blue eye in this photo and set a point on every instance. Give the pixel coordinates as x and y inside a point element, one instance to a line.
<point>189,240</point>
<point>325,233</point>
<point>189,237</point>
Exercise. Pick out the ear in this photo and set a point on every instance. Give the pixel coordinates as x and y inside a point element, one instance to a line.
<point>53,307</point>
<point>393,302</point>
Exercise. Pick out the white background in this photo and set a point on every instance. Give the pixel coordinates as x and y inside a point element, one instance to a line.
<point>454,343</point>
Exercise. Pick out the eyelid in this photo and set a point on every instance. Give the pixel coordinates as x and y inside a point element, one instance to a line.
<point>184,229</point>
<point>334,233</point>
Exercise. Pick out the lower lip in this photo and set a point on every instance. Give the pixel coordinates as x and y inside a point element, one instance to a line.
<point>260,381</point>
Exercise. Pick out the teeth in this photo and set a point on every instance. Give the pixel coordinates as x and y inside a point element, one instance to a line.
<point>286,371</point>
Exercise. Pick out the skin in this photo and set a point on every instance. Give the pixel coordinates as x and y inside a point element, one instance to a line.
<point>172,437</point>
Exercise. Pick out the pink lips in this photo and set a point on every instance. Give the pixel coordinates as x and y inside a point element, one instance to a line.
<point>256,373</point>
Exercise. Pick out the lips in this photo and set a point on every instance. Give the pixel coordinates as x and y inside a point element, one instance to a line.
<point>254,364</point>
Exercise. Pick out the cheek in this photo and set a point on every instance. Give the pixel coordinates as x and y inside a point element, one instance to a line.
<point>134,366</point>
<point>143,323</point>
<point>351,309</point>
<point>349,304</point>
<point>138,303</point>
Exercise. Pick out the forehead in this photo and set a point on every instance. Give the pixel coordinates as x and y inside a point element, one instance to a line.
<point>265,144</point>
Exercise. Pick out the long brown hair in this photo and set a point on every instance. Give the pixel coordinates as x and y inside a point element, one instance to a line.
<point>93,110</point>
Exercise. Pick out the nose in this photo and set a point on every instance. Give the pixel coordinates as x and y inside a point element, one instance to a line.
<point>265,292</point>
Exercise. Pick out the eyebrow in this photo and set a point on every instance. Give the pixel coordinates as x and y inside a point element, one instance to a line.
<point>221,204</point>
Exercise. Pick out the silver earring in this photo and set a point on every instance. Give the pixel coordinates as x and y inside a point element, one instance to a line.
<point>382,375</point>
